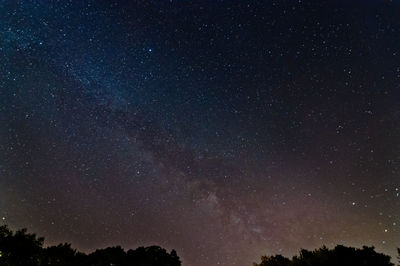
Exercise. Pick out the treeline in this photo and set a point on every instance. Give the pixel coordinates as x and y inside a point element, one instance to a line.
<point>25,249</point>
<point>339,256</point>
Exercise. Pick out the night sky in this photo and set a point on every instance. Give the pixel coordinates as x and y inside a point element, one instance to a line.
<point>223,129</point>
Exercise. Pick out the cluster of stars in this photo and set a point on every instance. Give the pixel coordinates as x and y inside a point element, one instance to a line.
<point>223,130</point>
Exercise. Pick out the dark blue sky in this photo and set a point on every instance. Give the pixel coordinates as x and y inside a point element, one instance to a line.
<point>223,129</point>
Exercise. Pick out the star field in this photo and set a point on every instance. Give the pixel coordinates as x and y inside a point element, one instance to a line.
<point>223,129</point>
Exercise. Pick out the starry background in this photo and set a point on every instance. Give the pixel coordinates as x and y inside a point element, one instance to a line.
<point>223,129</point>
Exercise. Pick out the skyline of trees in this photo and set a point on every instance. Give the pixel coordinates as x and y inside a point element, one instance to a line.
<point>21,248</point>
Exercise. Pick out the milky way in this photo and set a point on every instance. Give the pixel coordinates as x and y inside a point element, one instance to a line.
<point>223,129</point>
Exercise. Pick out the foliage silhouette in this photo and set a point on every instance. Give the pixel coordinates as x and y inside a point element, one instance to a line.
<point>23,249</point>
<point>152,256</point>
<point>340,255</point>
<point>19,248</point>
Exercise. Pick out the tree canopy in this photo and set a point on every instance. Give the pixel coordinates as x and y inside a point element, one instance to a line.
<point>340,255</point>
<point>25,249</point>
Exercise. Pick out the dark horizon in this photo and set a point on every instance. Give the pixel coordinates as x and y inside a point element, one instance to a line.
<point>23,248</point>
<point>213,128</point>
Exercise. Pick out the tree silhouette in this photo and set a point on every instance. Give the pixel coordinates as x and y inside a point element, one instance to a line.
<point>152,256</point>
<point>62,255</point>
<point>19,249</point>
<point>340,255</point>
<point>23,249</point>
<point>115,256</point>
